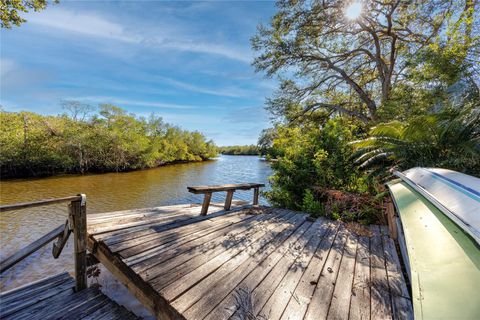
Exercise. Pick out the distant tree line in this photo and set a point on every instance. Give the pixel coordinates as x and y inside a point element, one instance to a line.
<point>85,141</point>
<point>249,150</point>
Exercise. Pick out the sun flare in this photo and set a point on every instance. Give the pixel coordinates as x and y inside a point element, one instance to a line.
<point>354,10</point>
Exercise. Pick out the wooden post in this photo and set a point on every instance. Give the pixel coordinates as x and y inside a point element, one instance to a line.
<point>255,196</point>
<point>78,211</point>
<point>206,203</point>
<point>392,225</point>
<point>228,200</point>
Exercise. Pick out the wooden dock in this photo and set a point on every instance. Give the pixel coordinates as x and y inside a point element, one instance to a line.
<point>55,298</point>
<point>250,262</point>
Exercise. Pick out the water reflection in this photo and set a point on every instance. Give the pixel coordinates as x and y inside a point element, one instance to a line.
<point>107,192</point>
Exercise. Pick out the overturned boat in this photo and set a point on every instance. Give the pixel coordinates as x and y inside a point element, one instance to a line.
<point>437,224</point>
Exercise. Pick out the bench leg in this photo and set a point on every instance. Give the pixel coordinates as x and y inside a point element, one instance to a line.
<point>255,196</point>
<point>228,200</point>
<point>206,203</point>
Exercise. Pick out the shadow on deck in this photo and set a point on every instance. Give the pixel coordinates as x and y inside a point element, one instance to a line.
<point>251,261</point>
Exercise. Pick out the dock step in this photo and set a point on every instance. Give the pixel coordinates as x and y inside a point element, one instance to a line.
<point>54,298</point>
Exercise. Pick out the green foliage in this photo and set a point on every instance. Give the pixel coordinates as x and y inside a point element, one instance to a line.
<point>381,80</point>
<point>311,205</point>
<point>312,156</point>
<point>9,10</point>
<point>111,140</point>
<point>356,67</point>
<point>250,150</point>
<point>448,139</point>
<point>265,143</point>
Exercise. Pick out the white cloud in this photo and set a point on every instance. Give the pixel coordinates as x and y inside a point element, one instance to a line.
<point>14,76</point>
<point>87,24</point>
<point>141,103</point>
<point>247,115</point>
<point>210,48</point>
<point>233,92</point>
<point>6,66</point>
<point>94,25</point>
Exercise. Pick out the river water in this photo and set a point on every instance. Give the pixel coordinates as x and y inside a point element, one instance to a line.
<point>107,192</point>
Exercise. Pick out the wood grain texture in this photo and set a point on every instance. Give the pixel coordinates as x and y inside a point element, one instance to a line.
<point>228,200</point>
<point>224,187</point>
<point>78,211</point>
<point>261,261</point>
<point>55,298</point>
<point>380,301</point>
<point>360,301</point>
<point>300,298</point>
<point>29,249</point>
<point>206,203</point>
<point>40,203</point>
<point>276,304</point>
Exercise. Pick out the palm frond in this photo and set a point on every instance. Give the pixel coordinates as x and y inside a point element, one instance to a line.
<point>375,159</point>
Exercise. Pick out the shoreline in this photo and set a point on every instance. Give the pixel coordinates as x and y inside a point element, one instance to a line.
<point>93,172</point>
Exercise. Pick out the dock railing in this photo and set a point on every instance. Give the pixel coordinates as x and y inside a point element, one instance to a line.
<point>76,223</point>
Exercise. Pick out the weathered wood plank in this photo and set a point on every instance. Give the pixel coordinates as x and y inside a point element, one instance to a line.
<point>299,300</point>
<point>116,227</point>
<point>54,298</point>
<point>219,303</point>
<point>7,295</point>
<point>278,301</point>
<point>30,311</point>
<point>157,226</point>
<point>137,245</point>
<point>360,301</point>
<point>379,293</point>
<point>40,203</point>
<point>51,289</point>
<point>37,292</point>
<point>226,263</point>
<point>252,271</point>
<point>224,187</point>
<point>139,288</point>
<point>56,310</point>
<point>101,217</point>
<point>107,310</point>
<point>145,217</point>
<point>195,268</point>
<point>222,239</point>
<point>343,285</point>
<point>132,233</point>
<point>29,249</point>
<point>61,240</point>
<point>319,304</point>
<point>155,256</point>
<point>139,218</point>
<point>400,297</point>
<point>181,270</point>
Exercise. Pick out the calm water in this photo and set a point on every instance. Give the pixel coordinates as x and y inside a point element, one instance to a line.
<point>107,192</point>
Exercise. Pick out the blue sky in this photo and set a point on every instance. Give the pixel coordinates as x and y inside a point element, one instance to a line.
<point>189,62</point>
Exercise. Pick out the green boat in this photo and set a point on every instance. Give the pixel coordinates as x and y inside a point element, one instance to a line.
<point>438,227</point>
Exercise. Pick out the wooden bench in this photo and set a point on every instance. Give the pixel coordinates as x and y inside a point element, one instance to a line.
<point>229,188</point>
